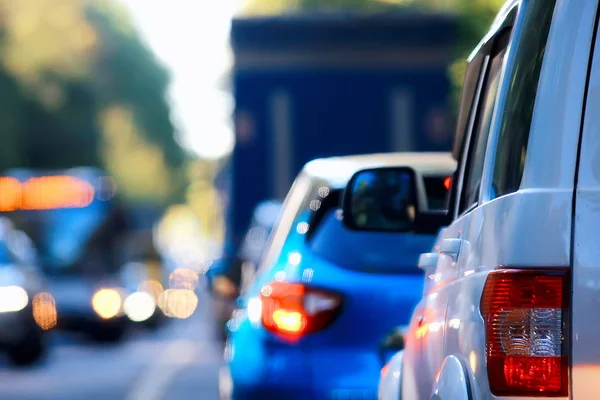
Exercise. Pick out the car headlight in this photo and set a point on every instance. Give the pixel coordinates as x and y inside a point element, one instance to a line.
<point>107,303</point>
<point>13,299</point>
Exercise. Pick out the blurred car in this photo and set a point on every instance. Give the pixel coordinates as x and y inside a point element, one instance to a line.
<point>323,314</point>
<point>78,224</point>
<point>228,275</point>
<point>26,310</point>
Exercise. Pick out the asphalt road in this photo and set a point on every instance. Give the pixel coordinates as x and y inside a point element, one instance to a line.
<point>178,361</point>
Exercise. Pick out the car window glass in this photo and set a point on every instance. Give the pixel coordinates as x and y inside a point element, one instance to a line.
<point>290,210</point>
<point>480,133</point>
<point>437,188</point>
<point>312,204</point>
<point>373,252</point>
<point>520,100</point>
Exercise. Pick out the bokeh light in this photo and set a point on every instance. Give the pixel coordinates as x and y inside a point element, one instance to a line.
<point>139,306</point>
<point>152,287</point>
<point>183,278</point>
<point>13,299</point>
<point>107,303</point>
<point>44,310</point>
<point>178,303</point>
<point>224,287</point>
<point>106,188</point>
<point>10,194</point>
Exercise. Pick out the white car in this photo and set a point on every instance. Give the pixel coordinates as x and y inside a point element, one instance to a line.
<point>511,305</point>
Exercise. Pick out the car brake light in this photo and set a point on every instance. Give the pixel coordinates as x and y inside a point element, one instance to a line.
<point>525,316</point>
<point>293,309</point>
<point>448,182</point>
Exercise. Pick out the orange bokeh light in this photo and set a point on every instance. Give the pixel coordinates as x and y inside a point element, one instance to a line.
<point>44,193</point>
<point>10,194</point>
<point>44,310</point>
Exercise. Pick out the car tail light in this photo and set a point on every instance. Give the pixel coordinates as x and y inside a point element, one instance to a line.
<point>293,309</point>
<point>525,316</point>
<point>448,182</point>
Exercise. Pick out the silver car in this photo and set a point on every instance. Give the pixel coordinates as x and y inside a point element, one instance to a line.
<point>511,306</point>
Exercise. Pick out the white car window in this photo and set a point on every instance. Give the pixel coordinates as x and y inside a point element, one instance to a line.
<point>520,100</point>
<point>481,129</point>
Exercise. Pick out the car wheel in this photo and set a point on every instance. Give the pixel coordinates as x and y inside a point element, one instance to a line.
<point>29,351</point>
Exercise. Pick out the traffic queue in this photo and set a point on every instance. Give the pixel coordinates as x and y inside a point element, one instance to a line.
<point>372,286</point>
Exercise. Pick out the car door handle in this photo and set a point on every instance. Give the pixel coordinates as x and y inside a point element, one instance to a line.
<point>428,261</point>
<point>451,247</point>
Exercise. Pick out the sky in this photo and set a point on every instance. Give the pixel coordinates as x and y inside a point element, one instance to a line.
<point>191,39</point>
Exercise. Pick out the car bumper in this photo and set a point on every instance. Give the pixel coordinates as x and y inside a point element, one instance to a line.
<point>345,373</point>
<point>270,371</point>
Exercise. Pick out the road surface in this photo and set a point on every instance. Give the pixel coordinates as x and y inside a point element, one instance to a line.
<point>178,361</point>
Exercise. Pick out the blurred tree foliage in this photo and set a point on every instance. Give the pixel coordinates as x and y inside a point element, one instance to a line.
<point>475,17</point>
<point>79,87</point>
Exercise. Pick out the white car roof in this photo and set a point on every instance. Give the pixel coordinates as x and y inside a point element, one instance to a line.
<point>338,170</point>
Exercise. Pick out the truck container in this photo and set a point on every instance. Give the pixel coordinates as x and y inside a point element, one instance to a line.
<point>308,86</point>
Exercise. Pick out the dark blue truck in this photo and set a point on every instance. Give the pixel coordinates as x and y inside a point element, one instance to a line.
<point>311,86</point>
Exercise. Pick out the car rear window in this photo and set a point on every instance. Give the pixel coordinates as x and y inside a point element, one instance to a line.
<point>373,252</point>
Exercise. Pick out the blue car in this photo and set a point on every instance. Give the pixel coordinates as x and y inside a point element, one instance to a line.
<point>321,317</point>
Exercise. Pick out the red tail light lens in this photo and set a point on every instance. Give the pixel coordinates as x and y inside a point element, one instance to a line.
<point>293,309</point>
<point>448,182</point>
<point>525,314</point>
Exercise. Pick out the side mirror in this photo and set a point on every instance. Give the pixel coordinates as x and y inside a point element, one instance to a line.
<point>382,199</point>
<point>390,199</point>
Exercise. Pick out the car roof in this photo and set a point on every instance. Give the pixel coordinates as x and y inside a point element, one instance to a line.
<point>338,170</point>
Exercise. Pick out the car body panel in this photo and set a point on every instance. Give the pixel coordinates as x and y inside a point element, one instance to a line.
<point>389,384</point>
<point>585,329</point>
<point>453,381</point>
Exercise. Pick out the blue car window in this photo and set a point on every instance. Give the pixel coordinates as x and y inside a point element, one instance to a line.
<point>367,251</point>
<point>316,225</point>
